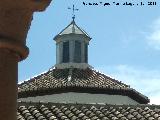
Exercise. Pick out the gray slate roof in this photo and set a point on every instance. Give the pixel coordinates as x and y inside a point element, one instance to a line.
<point>72,28</point>
<point>62,111</point>
<point>76,80</point>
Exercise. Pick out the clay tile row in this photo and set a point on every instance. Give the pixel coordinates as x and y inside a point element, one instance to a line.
<point>59,111</point>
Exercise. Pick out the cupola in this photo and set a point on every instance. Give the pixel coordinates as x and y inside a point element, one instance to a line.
<point>72,47</point>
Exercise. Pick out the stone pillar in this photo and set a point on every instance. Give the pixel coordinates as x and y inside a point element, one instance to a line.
<point>15,20</point>
<point>71,48</point>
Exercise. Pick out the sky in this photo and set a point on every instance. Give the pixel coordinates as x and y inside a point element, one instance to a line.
<point>125,40</point>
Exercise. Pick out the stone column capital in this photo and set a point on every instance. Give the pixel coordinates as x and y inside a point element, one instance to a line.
<point>15,20</point>
<point>34,5</point>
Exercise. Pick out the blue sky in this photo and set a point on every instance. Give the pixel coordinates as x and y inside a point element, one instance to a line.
<point>125,41</point>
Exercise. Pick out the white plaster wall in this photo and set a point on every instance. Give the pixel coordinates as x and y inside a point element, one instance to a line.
<point>82,98</point>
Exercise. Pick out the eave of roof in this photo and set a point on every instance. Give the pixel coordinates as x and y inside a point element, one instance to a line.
<point>90,89</point>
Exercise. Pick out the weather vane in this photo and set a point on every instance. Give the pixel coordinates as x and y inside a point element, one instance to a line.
<point>73,11</point>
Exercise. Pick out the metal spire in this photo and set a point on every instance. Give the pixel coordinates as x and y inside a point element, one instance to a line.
<point>73,12</point>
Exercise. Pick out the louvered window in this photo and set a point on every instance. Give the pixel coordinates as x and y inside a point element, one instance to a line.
<point>66,52</point>
<point>86,53</point>
<point>77,52</point>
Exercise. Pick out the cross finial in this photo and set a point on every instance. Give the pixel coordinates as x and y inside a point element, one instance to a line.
<point>73,12</point>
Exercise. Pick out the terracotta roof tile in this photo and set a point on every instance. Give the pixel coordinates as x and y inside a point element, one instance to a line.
<point>56,80</point>
<point>59,111</point>
<point>59,77</point>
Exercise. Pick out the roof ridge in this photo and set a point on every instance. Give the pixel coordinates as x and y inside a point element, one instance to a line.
<point>111,78</point>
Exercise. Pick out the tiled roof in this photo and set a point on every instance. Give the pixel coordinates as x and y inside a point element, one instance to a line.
<point>57,80</point>
<point>70,77</point>
<point>57,111</point>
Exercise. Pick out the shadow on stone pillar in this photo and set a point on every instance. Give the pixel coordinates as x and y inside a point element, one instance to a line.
<point>15,20</point>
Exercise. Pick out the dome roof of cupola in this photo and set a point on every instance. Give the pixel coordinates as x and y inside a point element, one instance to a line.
<point>72,28</point>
